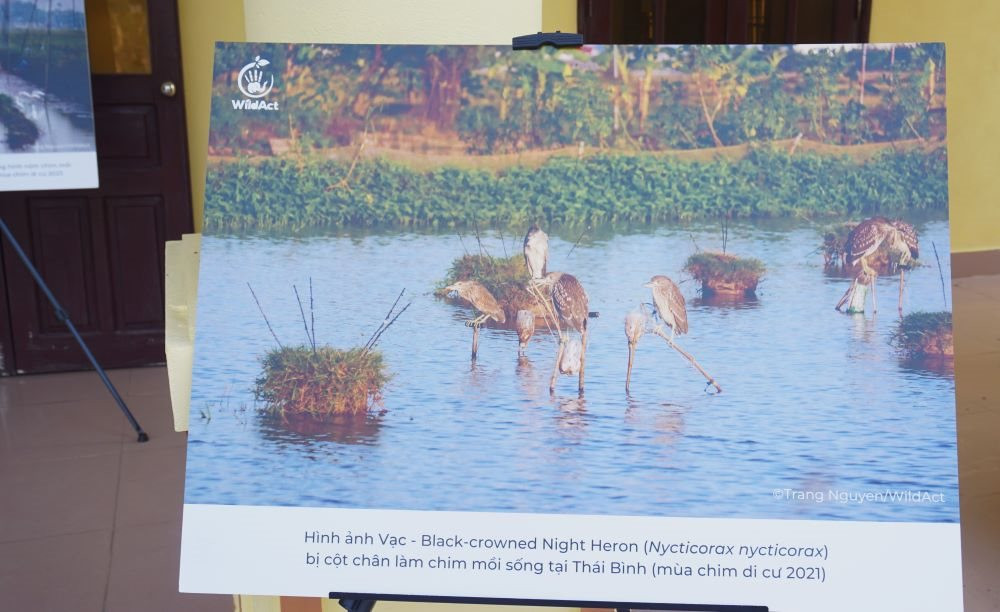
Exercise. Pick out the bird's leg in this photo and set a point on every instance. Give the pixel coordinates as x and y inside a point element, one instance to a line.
<point>631,357</point>
<point>555,370</point>
<point>901,281</point>
<point>583,357</point>
<point>847,294</point>
<point>874,293</point>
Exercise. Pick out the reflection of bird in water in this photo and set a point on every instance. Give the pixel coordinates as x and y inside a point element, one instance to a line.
<point>482,300</point>
<point>536,251</point>
<point>525,323</point>
<point>569,299</point>
<point>669,304</point>
<point>862,244</point>
<point>635,327</point>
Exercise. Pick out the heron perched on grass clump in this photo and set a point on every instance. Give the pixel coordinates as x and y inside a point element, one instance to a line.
<point>862,244</point>
<point>536,251</point>
<point>483,301</point>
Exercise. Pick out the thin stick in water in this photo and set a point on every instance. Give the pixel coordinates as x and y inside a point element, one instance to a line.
<point>305,324</point>
<point>658,330</point>
<point>385,320</point>
<point>312,314</point>
<point>261,309</point>
<point>579,238</point>
<point>944,295</point>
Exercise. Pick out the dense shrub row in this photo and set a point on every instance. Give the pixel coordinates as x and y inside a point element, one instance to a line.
<point>293,195</point>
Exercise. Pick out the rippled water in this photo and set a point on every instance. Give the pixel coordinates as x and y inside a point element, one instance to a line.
<point>813,400</point>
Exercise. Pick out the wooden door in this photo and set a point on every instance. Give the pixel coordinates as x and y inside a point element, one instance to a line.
<point>101,250</point>
<point>723,21</point>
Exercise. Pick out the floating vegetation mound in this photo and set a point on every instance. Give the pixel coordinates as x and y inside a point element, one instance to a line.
<point>504,277</point>
<point>317,384</point>
<point>724,274</point>
<point>925,334</point>
<point>21,131</point>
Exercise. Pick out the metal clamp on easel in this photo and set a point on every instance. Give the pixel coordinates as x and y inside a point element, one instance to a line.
<point>539,40</point>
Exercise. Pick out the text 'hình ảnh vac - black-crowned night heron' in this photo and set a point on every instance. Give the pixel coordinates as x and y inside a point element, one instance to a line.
<point>862,244</point>
<point>483,301</point>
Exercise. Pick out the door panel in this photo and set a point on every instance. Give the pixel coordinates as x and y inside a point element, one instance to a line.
<point>101,250</point>
<point>723,21</point>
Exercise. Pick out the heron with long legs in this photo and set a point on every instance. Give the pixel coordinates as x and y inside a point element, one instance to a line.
<point>536,251</point>
<point>635,327</point>
<point>483,301</point>
<point>863,243</point>
<point>570,302</point>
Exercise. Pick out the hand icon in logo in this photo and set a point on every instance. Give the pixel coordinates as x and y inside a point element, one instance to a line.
<point>254,86</point>
<point>254,82</point>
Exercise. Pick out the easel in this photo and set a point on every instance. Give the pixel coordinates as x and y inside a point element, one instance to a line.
<point>65,320</point>
<point>365,602</point>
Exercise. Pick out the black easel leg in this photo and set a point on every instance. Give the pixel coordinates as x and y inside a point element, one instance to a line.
<point>64,319</point>
<point>357,605</point>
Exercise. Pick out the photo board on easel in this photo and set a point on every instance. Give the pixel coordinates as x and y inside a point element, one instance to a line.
<point>611,324</point>
<point>46,109</point>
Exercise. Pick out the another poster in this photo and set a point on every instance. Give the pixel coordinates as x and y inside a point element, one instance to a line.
<point>635,323</point>
<point>46,112</point>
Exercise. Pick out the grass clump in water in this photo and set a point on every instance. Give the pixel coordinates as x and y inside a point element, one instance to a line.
<point>504,277</point>
<point>300,382</point>
<point>925,334</point>
<point>21,131</point>
<point>721,273</point>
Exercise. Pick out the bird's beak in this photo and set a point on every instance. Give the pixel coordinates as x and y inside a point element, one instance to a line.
<point>650,285</point>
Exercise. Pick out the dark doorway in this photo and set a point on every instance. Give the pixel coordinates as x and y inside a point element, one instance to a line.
<point>724,21</point>
<point>101,250</point>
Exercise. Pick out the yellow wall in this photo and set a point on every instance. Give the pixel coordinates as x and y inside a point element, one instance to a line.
<point>559,15</point>
<point>392,21</point>
<point>968,28</point>
<point>202,22</point>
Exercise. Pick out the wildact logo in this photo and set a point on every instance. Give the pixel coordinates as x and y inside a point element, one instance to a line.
<point>255,83</point>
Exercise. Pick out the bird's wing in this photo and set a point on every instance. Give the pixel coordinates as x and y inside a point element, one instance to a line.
<point>864,240</point>
<point>909,234</point>
<point>488,304</point>
<point>570,300</point>
<point>675,302</point>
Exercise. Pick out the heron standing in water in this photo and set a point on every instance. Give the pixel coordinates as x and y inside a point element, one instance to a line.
<point>569,299</point>
<point>635,327</point>
<point>483,301</point>
<point>861,245</point>
<point>536,251</point>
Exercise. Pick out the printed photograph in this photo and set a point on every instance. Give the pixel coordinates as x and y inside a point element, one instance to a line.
<point>610,280</point>
<point>45,102</point>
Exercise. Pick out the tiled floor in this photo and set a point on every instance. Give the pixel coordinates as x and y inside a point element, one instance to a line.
<point>90,520</point>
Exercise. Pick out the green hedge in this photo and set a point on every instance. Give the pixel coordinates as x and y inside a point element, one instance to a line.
<point>282,193</point>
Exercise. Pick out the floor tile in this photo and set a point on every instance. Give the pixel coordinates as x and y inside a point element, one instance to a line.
<point>65,387</point>
<point>67,572</point>
<point>47,498</point>
<point>145,564</point>
<point>154,414</point>
<point>47,432</point>
<point>150,469</point>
